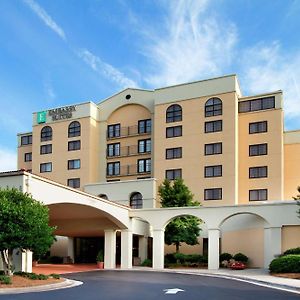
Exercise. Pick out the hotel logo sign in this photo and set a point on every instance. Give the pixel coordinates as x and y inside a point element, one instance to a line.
<point>62,113</point>
<point>41,117</point>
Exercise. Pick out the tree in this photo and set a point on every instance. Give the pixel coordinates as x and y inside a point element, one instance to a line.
<point>183,229</point>
<point>297,198</point>
<point>23,225</point>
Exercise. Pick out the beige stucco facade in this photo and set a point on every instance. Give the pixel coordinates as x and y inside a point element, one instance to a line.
<point>121,151</point>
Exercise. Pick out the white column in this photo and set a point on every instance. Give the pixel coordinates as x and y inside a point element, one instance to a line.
<point>109,249</point>
<point>213,249</point>
<point>158,250</point>
<point>143,247</point>
<point>26,261</point>
<point>126,249</point>
<point>272,244</point>
<point>71,249</point>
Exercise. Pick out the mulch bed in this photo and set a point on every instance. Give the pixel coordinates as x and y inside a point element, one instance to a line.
<point>18,281</point>
<point>287,275</point>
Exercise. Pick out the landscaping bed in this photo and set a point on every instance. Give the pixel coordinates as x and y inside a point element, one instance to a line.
<point>287,275</point>
<point>24,279</point>
<point>19,281</point>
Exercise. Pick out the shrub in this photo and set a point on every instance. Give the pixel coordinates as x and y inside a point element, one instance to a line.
<point>2,272</point>
<point>180,258</point>
<point>292,251</point>
<point>42,277</point>
<point>56,260</point>
<point>5,279</point>
<point>225,256</point>
<point>285,264</point>
<point>240,257</point>
<point>170,258</point>
<point>147,263</point>
<point>55,276</point>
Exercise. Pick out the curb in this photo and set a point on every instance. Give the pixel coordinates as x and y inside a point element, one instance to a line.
<point>67,283</point>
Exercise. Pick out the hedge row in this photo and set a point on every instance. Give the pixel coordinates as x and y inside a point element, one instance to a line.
<point>286,264</point>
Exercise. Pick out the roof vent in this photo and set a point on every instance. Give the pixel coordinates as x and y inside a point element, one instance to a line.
<point>128,97</point>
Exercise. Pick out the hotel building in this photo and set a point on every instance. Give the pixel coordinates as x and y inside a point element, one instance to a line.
<point>230,149</point>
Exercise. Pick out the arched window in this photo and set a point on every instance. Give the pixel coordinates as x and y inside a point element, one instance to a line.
<point>174,113</point>
<point>213,107</point>
<point>136,200</point>
<point>103,196</point>
<point>74,129</point>
<point>46,134</point>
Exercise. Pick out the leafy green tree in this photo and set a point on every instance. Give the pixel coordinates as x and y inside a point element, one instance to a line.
<point>297,198</point>
<point>183,229</point>
<point>24,225</point>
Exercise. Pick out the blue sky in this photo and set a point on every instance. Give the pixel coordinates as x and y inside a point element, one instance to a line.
<point>54,53</point>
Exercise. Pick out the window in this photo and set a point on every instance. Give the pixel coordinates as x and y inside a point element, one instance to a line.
<point>173,174</point>
<point>213,171</point>
<point>258,195</point>
<point>46,149</point>
<point>213,107</point>
<point>213,126</point>
<point>173,153</point>
<point>136,200</point>
<point>74,145</point>
<point>144,126</point>
<point>144,165</point>
<point>174,113</point>
<point>213,194</point>
<point>257,104</point>
<point>74,129</point>
<point>113,149</point>
<point>173,131</point>
<point>214,148</point>
<point>46,134</point>
<point>114,130</point>
<point>46,167</point>
<point>26,140</point>
<point>113,169</point>
<point>144,146</point>
<point>259,149</point>
<point>258,127</point>
<point>28,156</point>
<point>258,172</point>
<point>73,164</point>
<point>74,183</point>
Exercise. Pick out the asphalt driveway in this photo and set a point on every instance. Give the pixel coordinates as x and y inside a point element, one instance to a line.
<point>109,285</point>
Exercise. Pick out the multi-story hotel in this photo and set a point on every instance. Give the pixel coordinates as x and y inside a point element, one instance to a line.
<point>230,149</point>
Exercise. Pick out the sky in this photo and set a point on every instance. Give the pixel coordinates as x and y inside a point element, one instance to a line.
<point>56,53</point>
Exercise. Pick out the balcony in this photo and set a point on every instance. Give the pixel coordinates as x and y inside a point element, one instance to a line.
<point>126,151</point>
<point>128,131</point>
<point>128,170</point>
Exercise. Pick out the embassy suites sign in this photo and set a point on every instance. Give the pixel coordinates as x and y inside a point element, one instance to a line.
<point>56,114</point>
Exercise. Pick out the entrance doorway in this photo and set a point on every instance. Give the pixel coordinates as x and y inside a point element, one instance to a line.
<point>86,249</point>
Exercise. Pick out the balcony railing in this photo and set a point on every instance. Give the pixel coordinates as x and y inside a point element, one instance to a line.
<point>127,151</point>
<point>128,131</point>
<point>128,170</point>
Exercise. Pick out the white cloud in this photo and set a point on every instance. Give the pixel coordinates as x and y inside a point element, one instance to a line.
<point>49,90</point>
<point>8,160</point>
<point>191,44</point>
<point>268,68</point>
<point>42,14</point>
<point>106,69</point>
